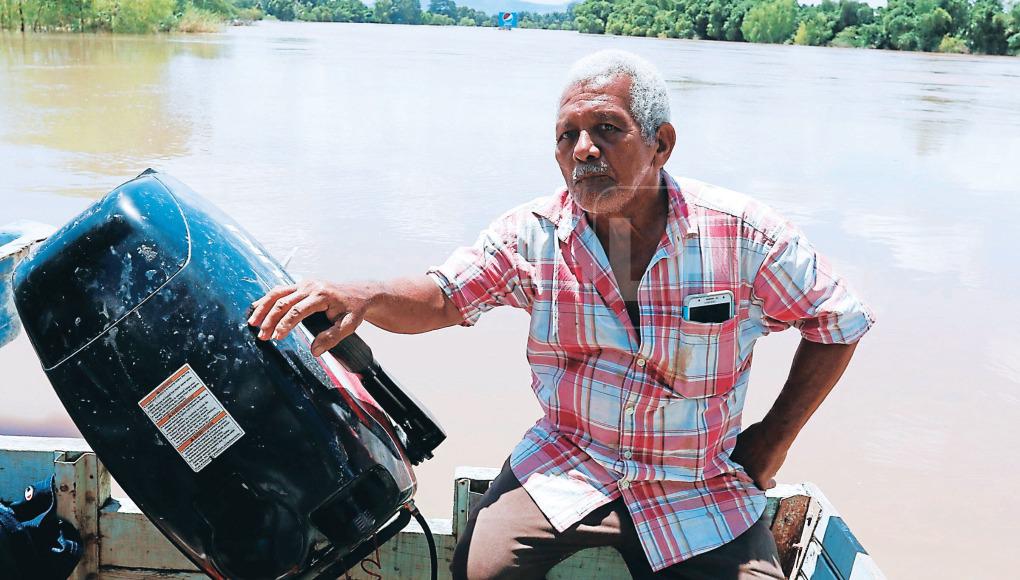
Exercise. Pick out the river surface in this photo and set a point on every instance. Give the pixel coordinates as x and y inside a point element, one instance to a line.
<point>376,150</point>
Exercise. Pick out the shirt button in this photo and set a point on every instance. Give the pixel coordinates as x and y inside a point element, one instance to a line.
<point>641,362</point>
<point>629,409</point>
<point>627,455</point>
<point>624,483</point>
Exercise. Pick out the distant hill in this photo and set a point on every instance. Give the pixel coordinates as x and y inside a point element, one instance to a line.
<point>494,6</point>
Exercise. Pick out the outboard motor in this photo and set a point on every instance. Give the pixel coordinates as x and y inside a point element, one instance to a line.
<point>256,459</point>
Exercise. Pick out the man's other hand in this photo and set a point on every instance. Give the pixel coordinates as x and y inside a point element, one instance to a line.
<point>284,307</point>
<point>759,454</point>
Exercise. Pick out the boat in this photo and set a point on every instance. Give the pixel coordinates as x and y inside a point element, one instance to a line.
<point>815,542</point>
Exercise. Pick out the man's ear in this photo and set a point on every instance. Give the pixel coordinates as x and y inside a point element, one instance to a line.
<point>665,140</point>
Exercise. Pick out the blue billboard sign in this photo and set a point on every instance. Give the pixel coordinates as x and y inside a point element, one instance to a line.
<point>507,20</point>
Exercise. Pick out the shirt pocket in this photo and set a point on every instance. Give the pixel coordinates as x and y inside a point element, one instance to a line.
<point>704,358</point>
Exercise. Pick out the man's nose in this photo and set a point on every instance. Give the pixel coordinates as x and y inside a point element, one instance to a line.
<point>585,148</point>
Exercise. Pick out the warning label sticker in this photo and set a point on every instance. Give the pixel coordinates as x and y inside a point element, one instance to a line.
<point>191,418</point>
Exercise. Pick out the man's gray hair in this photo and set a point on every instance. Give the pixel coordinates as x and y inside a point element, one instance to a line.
<point>649,96</point>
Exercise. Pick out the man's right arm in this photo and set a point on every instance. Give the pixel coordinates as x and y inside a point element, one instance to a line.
<point>405,305</point>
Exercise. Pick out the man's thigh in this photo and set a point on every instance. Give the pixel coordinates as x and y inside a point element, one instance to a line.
<point>750,556</point>
<point>507,536</point>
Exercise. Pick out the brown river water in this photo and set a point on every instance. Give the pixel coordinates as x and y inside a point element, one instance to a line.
<point>375,150</point>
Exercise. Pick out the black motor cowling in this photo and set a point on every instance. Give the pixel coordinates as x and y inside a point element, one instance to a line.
<point>255,458</point>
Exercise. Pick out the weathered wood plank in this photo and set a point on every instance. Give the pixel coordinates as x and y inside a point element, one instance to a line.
<point>114,573</point>
<point>811,521</point>
<point>129,540</point>
<point>407,555</point>
<point>812,557</point>
<point>788,527</point>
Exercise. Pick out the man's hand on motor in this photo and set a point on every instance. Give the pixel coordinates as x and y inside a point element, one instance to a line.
<point>759,454</point>
<point>283,307</point>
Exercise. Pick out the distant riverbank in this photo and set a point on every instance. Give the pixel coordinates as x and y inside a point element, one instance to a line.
<point>125,16</point>
<point>955,26</point>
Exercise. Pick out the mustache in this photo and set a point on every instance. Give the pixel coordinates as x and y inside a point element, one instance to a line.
<point>589,168</point>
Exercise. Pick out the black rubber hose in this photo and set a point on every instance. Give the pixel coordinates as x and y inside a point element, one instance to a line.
<point>433,556</point>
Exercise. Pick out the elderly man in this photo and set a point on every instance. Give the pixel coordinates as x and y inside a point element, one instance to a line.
<point>646,296</point>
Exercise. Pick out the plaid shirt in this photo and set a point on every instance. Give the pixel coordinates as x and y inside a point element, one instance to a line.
<point>652,418</point>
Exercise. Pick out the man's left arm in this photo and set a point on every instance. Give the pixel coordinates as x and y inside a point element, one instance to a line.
<point>761,448</point>
<point>797,287</point>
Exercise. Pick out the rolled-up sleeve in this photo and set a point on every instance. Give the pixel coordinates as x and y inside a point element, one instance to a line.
<point>798,287</point>
<point>480,277</point>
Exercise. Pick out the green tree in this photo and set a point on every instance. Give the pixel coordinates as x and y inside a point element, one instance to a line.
<point>590,16</point>
<point>860,36</point>
<point>480,18</point>
<point>437,19</point>
<point>772,22</point>
<point>932,26</point>
<point>988,26</point>
<point>815,30</point>
<point>405,12</point>
<point>281,9</point>
<point>735,20</point>
<point>143,16</point>
<point>852,13</point>
<point>1013,30</point>
<point>382,10</point>
<point>922,24</point>
<point>445,7</point>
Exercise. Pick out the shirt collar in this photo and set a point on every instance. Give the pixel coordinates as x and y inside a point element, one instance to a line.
<point>567,215</point>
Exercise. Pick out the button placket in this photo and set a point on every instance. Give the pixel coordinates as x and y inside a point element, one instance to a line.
<point>627,429</point>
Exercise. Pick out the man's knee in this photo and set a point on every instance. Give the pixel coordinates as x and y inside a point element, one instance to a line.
<point>476,562</point>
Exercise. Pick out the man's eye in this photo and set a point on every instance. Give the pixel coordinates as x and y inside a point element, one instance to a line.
<point>607,128</point>
<point>566,135</point>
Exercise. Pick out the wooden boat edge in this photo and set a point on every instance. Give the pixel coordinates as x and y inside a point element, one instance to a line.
<point>121,543</point>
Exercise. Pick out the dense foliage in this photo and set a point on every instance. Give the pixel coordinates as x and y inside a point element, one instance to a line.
<point>440,12</point>
<point>131,16</point>
<point>980,26</point>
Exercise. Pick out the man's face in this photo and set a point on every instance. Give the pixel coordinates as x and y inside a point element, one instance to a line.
<point>602,155</point>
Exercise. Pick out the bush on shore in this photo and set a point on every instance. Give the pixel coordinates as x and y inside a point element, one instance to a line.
<point>953,44</point>
<point>199,20</point>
